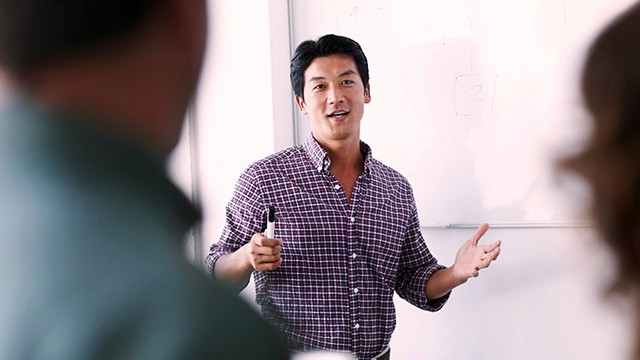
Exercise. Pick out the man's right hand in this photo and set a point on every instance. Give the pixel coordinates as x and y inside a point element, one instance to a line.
<point>263,253</point>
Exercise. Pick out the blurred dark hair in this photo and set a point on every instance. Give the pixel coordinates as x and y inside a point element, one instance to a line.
<point>610,161</point>
<point>34,32</point>
<point>325,45</point>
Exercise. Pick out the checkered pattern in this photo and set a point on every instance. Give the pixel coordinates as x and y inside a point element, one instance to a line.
<point>342,260</point>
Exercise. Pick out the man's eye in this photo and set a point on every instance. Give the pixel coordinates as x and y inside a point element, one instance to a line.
<point>319,87</point>
<point>348,82</point>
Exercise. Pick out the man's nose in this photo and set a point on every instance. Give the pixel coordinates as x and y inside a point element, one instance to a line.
<point>335,95</point>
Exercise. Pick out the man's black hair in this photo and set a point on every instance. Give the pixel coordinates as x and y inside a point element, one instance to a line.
<point>326,45</point>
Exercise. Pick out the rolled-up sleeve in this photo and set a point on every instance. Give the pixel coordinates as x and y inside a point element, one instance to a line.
<point>245,216</point>
<point>416,267</point>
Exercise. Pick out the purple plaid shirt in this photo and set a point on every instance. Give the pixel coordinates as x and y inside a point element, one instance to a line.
<point>342,260</point>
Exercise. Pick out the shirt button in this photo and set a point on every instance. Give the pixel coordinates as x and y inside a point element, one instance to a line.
<point>337,187</point>
<point>357,326</point>
<point>353,219</point>
<point>355,291</point>
<point>354,255</point>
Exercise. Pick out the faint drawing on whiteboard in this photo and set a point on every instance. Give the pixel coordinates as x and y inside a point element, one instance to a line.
<point>435,26</point>
<point>354,15</point>
<point>384,4</point>
<point>467,96</point>
<point>474,94</point>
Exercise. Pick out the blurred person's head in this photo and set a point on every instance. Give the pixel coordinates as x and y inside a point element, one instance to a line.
<point>36,32</point>
<point>610,161</point>
<point>134,60</point>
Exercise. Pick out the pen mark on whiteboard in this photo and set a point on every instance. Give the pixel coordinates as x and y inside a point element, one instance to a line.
<point>474,94</point>
<point>382,5</point>
<point>354,14</point>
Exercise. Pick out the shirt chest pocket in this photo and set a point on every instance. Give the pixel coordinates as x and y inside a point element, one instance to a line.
<point>309,239</point>
<point>382,234</point>
<point>382,257</point>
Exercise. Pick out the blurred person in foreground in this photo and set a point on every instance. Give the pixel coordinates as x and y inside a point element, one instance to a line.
<point>610,161</point>
<point>91,229</point>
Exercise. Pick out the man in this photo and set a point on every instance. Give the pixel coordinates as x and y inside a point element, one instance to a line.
<point>91,265</point>
<point>346,227</point>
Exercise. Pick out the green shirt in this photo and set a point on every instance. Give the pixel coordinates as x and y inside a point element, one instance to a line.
<point>91,254</point>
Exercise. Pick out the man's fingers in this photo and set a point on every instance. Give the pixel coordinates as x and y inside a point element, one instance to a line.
<point>484,254</point>
<point>265,253</point>
<point>488,258</point>
<point>482,229</point>
<point>262,240</point>
<point>268,259</point>
<point>267,266</point>
<point>492,247</point>
<point>493,254</point>
<point>262,262</point>
<point>266,250</point>
<point>496,252</point>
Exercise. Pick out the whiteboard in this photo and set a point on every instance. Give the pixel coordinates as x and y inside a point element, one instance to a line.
<point>471,100</point>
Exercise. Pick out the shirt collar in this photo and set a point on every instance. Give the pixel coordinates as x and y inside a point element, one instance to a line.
<point>368,158</point>
<point>321,161</point>
<point>319,158</point>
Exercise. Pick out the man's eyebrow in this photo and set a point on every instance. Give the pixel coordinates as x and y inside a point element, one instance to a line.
<point>348,72</point>
<point>316,78</point>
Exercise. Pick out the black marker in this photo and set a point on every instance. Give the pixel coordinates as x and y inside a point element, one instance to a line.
<point>271,223</point>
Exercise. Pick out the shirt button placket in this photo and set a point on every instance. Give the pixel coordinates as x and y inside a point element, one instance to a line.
<point>354,295</point>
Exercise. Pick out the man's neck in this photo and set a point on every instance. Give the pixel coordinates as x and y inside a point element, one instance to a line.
<point>347,163</point>
<point>344,154</point>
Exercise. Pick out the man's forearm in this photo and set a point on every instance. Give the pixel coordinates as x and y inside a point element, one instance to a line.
<point>233,269</point>
<point>441,283</point>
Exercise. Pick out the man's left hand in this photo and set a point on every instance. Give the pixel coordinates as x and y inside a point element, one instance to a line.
<point>471,257</point>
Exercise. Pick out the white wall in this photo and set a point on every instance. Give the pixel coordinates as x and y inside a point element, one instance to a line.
<point>540,300</point>
<point>243,109</point>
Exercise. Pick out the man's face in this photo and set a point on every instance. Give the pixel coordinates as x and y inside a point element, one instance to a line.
<point>334,98</point>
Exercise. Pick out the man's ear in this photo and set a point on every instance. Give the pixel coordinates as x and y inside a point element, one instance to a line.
<point>301,105</point>
<point>367,94</point>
